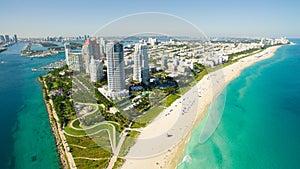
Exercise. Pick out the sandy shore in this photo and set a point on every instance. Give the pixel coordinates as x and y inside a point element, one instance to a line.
<point>161,144</point>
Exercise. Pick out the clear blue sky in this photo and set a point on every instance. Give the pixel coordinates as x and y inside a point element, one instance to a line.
<point>40,18</point>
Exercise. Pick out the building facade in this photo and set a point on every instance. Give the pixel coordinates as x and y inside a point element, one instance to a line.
<point>73,58</point>
<point>15,38</point>
<point>115,66</point>
<point>141,66</point>
<point>96,70</point>
<point>90,49</point>
<point>7,38</point>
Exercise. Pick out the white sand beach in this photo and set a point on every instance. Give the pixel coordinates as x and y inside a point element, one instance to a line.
<point>161,144</point>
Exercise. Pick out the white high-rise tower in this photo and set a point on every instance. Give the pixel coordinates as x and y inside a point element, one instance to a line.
<point>115,66</point>
<point>141,65</point>
<point>96,70</point>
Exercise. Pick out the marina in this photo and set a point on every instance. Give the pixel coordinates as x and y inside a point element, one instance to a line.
<point>51,66</point>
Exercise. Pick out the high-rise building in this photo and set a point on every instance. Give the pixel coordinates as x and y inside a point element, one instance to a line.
<point>90,49</point>
<point>141,65</point>
<point>7,38</point>
<point>73,58</point>
<point>15,38</point>
<point>2,39</point>
<point>152,41</point>
<point>115,66</point>
<point>102,47</point>
<point>164,62</point>
<point>96,70</point>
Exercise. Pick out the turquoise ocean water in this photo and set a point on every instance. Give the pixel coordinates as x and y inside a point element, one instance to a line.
<point>26,139</point>
<point>260,125</point>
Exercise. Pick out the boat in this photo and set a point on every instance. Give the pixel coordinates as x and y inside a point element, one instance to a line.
<point>2,49</point>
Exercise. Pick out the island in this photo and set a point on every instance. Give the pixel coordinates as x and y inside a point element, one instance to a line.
<point>36,53</point>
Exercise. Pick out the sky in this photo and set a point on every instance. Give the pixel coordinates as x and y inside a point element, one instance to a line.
<point>215,18</point>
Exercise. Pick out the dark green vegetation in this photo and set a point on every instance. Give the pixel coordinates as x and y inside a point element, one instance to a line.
<point>142,104</point>
<point>231,56</point>
<point>101,99</point>
<point>89,152</point>
<point>48,44</point>
<point>59,87</point>
<point>198,68</point>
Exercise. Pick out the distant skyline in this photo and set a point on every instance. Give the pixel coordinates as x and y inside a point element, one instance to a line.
<point>234,18</point>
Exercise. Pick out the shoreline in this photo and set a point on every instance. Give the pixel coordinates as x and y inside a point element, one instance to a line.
<point>171,158</point>
<point>65,158</point>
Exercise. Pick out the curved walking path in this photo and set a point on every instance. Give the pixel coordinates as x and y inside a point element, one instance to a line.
<point>112,136</point>
<point>78,146</point>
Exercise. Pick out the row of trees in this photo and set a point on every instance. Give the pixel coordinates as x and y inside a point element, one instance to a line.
<point>101,99</point>
<point>197,68</point>
<point>231,56</point>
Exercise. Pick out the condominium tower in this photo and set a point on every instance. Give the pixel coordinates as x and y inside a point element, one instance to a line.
<point>115,66</point>
<point>73,58</point>
<point>92,59</point>
<point>141,65</point>
<point>90,49</point>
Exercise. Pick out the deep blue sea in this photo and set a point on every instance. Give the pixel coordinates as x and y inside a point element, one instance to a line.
<point>26,141</point>
<point>260,125</point>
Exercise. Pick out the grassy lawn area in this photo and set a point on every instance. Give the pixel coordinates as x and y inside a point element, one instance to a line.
<point>128,143</point>
<point>79,132</point>
<point>183,90</point>
<point>170,99</point>
<point>91,152</point>
<point>76,124</point>
<point>92,118</point>
<point>90,164</point>
<point>199,77</point>
<point>146,118</point>
<point>101,126</point>
<point>156,96</point>
<point>96,147</point>
<point>85,81</point>
<point>96,128</point>
<point>84,97</point>
<point>81,141</point>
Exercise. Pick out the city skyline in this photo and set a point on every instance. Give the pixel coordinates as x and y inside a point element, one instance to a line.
<point>225,19</point>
